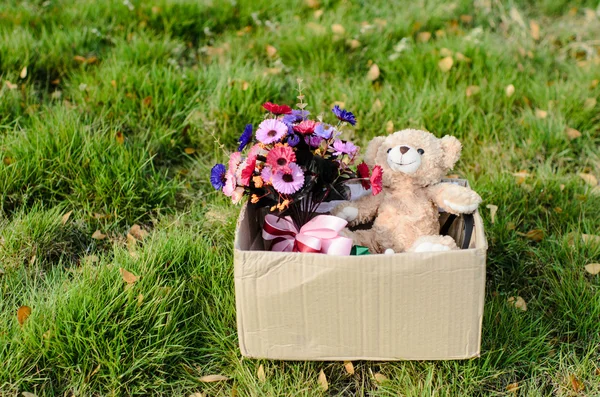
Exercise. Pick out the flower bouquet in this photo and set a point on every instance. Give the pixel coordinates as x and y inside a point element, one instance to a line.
<point>293,164</point>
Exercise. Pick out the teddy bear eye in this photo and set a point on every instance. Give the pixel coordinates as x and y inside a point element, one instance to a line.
<point>389,150</point>
<point>420,151</point>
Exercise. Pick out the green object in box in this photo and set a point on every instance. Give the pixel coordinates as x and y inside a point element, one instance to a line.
<point>359,250</point>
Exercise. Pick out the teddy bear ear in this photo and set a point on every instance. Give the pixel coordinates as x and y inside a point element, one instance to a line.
<point>372,148</point>
<point>451,148</point>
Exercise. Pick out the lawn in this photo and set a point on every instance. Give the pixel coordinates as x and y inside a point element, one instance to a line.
<point>109,115</point>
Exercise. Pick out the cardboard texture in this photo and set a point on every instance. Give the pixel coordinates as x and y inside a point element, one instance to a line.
<point>407,306</point>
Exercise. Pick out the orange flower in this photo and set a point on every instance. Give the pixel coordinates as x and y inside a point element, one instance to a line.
<point>258,181</point>
<point>254,199</point>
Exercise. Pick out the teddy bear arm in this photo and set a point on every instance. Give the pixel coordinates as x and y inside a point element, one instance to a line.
<point>361,211</point>
<point>454,199</point>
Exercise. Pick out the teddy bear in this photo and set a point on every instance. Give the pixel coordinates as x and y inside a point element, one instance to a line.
<point>405,214</point>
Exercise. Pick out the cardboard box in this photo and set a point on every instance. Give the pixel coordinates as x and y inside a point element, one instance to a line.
<point>407,306</point>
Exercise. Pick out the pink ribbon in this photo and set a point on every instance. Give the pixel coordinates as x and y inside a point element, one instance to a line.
<point>321,234</point>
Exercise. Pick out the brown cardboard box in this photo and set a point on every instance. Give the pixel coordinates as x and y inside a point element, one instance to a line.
<point>407,306</point>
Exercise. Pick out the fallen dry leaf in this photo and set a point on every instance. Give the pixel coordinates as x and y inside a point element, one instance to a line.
<point>592,268</point>
<point>245,85</point>
<point>572,133</point>
<point>377,105</point>
<point>541,114</point>
<point>271,51</point>
<point>373,73</point>
<point>535,235</point>
<point>147,101</point>
<point>213,378</point>
<point>445,64</point>
<point>65,218</point>
<point>445,52</point>
<point>120,137</point>
<point>472,90</point>
<point>349,367</point>
<point>518,302</point>
<point>318,13</point>
<point>354,44</point>
<point>312,3</point>
<point>140,300</point>
<point>260,373</point>
<point>576,384</point>
<point>23,73</point>
<point>423,37</point>
<point>32,260</point>
<point>513,387</point>
<point>510,90</point>
<point>516,16</point>
<point>521,176</point>
<point>493,209</point>
<point>189,150</point>
<point>380,378</point>
<point>23,313</point>
<point>198,394</point>
<point>128,277</point>
<point>590,179</point>
<point>534,28</point>
<point>338,29</point>
<point>10,85</point>
<point>589,103</point>
<point>79,58</point>
<point>389,127</point>
<point>98,235</point>
<point>322,380</point>
<point>138,232</point>
<point>462,58</point>
<point>28,394</point>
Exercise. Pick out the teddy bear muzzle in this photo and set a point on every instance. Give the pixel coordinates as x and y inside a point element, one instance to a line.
<point>404,158</point>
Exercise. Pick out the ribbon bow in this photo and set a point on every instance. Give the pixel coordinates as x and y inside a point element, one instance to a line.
<point>321,234</point>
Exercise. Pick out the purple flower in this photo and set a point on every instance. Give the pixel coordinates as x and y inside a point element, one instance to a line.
<point>296,116</point>
<point>217,176</point>
<point>245,138</point>
<point>344,115</point>
<point>342,147</point>
<point>325,131</point>
<point>313,140</point>
<point>288,181</point>
<point>271,131</point>
<point>293,139</point>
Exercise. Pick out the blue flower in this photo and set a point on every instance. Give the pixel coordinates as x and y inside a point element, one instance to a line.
<point>296,116</point>
<point>344,115</point>
<point>245,138</point>
<point>217,176</point>
<point>293,140</point>
<point>325,131</point>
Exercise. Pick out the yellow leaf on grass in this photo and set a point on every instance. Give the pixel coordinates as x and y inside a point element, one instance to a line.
<point>589,103</point>
<point>534,28</point>
<point>322,380</point>
<point>79,58</point>
<point>23,314</point>
<point>312,3</point>
<point>377,105</point>
<point>466,18</point>
<point>509,90</point>
<point>338,29</point>
<point>65,218</point>
<point>445,64</point>
<point>318,13</point>
<point>518,302</point>
<point>513,387</point>
<point>98,235</point>
<point>138,232</point>
<point>128,277</point>
<point>535,235</point>
<point>28,394</point>
<point>23,73</point>
<point>198,394</point>
<point>271,51</point>
<point>147,101</point>
<point>445,52</point>
<point>10,85</point>
<point>572,133</point>
<point>213,378</point>
<point>493,209</point>
<point>189,150</point>
<point>423,37</point>
<point>120,138</point>
<point>590,179</point>
<point>380,378</point>
<point>389,127</point>
<point>541,114</point>
<point>373,73</point>
<point>260,373</point>
<point>472,90</point>
<point>576,384</point>
<point>349,367</point>
<point>354,44</point>
<point>592,268</point>
<point>245,85</point>
<point>521,176</point>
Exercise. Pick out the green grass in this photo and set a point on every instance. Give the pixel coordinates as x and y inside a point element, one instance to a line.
<point>169,74</point>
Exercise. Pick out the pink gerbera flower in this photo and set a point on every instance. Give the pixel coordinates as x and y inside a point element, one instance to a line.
<point>266,174</point>
<point>280,156</point>
<point>248,171</point>
<point>305,127</point>
<point>376,177</point>
<point>288,182</point>
<point>271,131</point>
<point>230,184</point>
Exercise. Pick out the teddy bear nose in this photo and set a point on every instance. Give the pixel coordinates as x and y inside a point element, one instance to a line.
<point>404,149</point>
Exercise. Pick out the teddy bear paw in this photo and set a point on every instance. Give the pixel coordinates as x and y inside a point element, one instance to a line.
<point>466,203</point>
<point>348,213</point>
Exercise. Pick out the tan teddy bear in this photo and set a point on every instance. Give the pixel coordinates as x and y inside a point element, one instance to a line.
<point>405,213</point>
